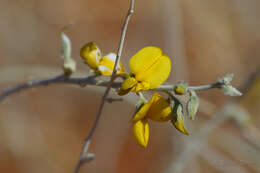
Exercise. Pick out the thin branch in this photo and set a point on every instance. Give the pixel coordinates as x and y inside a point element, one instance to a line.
<point>195,88</point>
<point>83,81</point>
<point>119,53</point>
<point>111,100</point>
<point>60,79</point>
<point>205,87</point>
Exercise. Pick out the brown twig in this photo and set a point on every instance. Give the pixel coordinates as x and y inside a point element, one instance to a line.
<point>94,127</point>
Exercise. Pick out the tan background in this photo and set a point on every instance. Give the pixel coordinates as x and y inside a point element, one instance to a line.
<point>42,130</point>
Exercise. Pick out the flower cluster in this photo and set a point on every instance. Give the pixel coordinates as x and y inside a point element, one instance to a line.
<point>149,69</point>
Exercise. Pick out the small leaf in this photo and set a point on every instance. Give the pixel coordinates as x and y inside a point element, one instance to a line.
<point>226,79</point>
<point>178,118</point>
<point>69,65</point>
<point>192,105</point>
<point>66,46</point>
<point>230,90</point>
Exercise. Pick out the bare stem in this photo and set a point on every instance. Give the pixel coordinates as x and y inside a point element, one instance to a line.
<point>119,53</point>
<point>60,79</point>
<point>195,88</point>
<point>205,87</point>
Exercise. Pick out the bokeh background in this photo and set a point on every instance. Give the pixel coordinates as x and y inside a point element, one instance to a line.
<point>43,129</point>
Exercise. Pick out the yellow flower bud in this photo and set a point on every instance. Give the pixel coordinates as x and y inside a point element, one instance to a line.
<point>181,88</point>
<point>91,54</point>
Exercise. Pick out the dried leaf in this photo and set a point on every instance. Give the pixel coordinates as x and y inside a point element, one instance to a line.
<point>230,90</point>
<point>226,79</point>
<point>192,105</point>
<point>178,118</point>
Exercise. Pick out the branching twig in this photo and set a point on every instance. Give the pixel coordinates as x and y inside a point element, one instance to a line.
<point>119,52</point>
<point>83,81</point>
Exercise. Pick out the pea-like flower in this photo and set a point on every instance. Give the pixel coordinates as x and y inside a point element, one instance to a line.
<point>149,69</point>
<point>103,65</point>
<point>156,109</point>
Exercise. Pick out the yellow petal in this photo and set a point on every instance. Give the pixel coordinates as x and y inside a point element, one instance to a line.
<point>141,86</point>
<point>178,121</point>
<point>160,109</point>
<point>130,82</point>
<point>158,73</point>
<point>143,59</point>
<point>141,132</point>
<point>151,66</point>
<point>127,85</point>
<point>142,113</point>
<point>91,54</point>
<point>107,64</point>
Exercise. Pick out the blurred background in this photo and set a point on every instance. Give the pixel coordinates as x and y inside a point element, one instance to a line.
<point>43,129</point>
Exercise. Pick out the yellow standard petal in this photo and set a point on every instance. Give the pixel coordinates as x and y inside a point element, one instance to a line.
<point>141,132</point>
<point>160,109</point>
<point>91,54</point>
<point>151,66</point>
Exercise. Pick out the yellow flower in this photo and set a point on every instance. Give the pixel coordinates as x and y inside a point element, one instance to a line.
<point>149,69</point>
<point>91,54</point>
<point>156,109</point>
